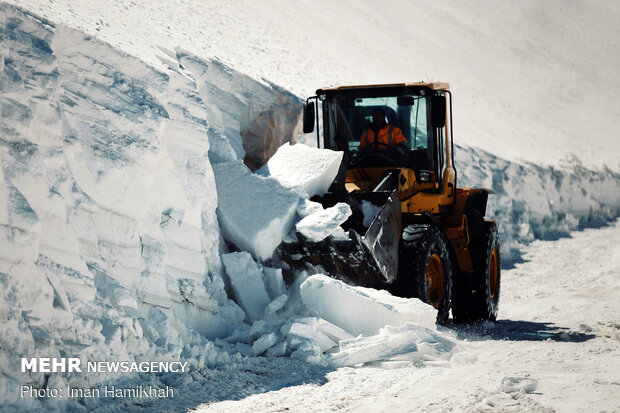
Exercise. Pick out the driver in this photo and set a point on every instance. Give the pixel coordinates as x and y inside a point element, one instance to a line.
<point>381,136</point>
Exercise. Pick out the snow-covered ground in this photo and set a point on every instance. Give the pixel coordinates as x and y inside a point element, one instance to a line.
<point>128,137</point>
<point>554,348</point>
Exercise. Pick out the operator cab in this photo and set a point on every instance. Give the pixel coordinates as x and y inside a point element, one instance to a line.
<point>418,110</point>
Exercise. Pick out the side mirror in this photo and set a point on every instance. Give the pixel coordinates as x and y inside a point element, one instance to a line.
<point>438,111</point>
<point>405,101</point>
<point>309,114</point>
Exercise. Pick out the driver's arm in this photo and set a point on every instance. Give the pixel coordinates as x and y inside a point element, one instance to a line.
<point>402,146</point>
<point>364,139</point>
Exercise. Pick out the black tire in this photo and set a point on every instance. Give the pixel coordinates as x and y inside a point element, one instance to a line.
<point>425,268</point>
<point>476,296</point>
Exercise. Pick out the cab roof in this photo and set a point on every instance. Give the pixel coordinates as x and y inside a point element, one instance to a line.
<point>395,86</point>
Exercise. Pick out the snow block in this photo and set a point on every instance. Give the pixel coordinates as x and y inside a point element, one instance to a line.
<point>262,327</point>
<point>310,171</point>
<point>359,310</point>
<point>394,342</point>
<point>332,331</point>
<point>254,212</point>
<point>247,283</point>
<point>264,343</point>
<point>277,304</point>
<point>274,281</point>
<point>325,222</point>
<point>278,350</point>
<point>307,331</point>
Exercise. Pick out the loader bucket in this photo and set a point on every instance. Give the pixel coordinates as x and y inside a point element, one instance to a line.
<point>370,256</point>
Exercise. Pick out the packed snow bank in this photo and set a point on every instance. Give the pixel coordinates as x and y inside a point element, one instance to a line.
<point>537,202</point>
<point>108,230</point>
<point>254,212</point>
<point>359,310</point>
<point>309,170</point>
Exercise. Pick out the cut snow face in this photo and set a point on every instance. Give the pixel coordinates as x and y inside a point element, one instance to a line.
<point>255,212</point>
<point>310,171</point>
<point>108,231</point>
<point>248,119</point>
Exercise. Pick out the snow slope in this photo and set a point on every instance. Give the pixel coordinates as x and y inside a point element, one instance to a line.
<point>533,80</point>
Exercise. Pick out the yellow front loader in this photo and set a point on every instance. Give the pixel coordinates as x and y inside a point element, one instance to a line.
<point>412,229</point>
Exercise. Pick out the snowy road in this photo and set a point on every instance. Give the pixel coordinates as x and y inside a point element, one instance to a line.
<point>559,324</point>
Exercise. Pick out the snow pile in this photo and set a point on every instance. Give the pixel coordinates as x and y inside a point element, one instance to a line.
<point>254,212</point>
<point>325,321</point>
<point>109,235</point>
<point>310,171</point>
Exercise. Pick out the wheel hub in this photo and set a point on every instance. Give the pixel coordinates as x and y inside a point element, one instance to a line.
<point>493,274</point>
<point>435,280</point>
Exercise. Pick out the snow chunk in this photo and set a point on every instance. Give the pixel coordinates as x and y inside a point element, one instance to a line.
<point>309,170</point>
<point>265,342</point>
<point>516,384</point>
<point>276,304</point>
<point>370,211</point>
<point>308,332</point>
<point>307,207</point>
<point>278,350</point>
<point>243,349</point>
<point>274,281</point>
<point>262,327</point>
<point>254,212</point>
<point>326,222</point>
<point>247,283</point>
<point>359,310</point>
<point>419,341</point>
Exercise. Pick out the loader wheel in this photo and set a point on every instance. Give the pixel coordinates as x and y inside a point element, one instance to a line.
<point>425,268</point>
<point>476,296</point>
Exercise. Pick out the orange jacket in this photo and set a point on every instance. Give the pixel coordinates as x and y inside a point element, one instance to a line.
<point>389,137</point>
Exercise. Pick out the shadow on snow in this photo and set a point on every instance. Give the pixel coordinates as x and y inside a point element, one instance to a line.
<point>519,330</point>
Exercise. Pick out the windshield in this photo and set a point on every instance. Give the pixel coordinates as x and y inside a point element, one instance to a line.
<point>347,118</point>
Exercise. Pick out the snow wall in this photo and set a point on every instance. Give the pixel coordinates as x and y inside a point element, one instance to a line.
<point>109,239</point>
<point>539,202</point>
<point>109,242</point>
